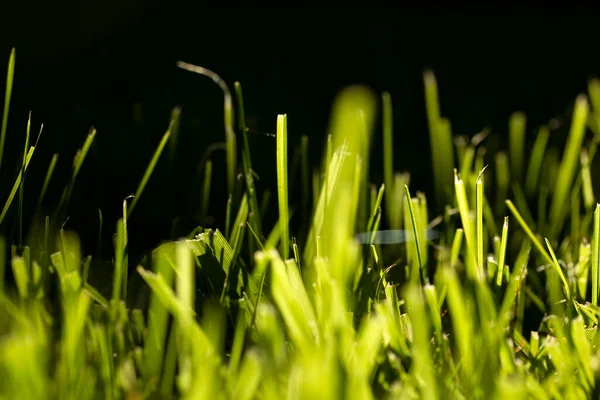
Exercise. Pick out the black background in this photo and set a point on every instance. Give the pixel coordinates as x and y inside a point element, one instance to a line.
<point>80,64</point>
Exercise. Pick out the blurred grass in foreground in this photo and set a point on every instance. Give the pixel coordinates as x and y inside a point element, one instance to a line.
<point>485,312</point>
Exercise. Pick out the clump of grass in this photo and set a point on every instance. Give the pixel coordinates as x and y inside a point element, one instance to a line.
<point>483,313</point>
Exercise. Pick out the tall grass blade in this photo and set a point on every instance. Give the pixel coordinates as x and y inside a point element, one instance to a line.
<point>535,161</point>
<point>564,181</point>
<point>7,95</point>
<point>16,185</point>
<point>440,137</point>
<point>517,145</point>
<point>596,256</point>
<point>230,139</point>
<point>282,184</point>
<point>150,168</point>
<point>48,178</point>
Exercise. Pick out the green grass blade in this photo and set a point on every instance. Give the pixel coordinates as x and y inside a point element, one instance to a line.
<point>376,208</point>
<point>502,180</point>
<point>22,187</point>
<point>517,145</point>
<point>535,160</point>
<point>586,179</point>
<point>16,185</point>
<point>415,273</point>
<point>156,339</point>
<point>254,215</point>
<point>150,168</point>
<point>564,181</point>
<point>7,95</point>
<point>206,191</point>
<point>230,140</point>
<point>440,136</point>
<point>388,160</point>
<point>49,173</point>
<point>529,232</point>
<point>559,270</point>
<point>465,216</point>
<point>596,256</point>
<point>3,258</point>
<point>241,218</point>
<point>502,252</point>
<point>282,184</point>
<point>479,221</point>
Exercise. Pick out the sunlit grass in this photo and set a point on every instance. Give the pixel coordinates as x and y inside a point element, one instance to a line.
<point>462,305</point>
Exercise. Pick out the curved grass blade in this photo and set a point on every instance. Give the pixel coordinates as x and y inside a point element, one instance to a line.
<point>230,140</point>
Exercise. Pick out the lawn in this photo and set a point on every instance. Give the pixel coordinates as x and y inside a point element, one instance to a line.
<point>489,288</point>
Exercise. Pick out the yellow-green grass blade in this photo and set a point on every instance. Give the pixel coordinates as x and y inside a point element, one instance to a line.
<point>517,145</point>
<point>440,136</point>
<point>150,168</point>
<point>48,178</point>
<point>566,173</point>
<point>535,161</point>
<point>22,187</point>
<point>282,184</point>
<point>254,215</point>
<point>7,95</point>
<point>16,185</point>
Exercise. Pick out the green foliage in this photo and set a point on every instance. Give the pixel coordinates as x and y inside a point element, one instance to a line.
<point>476,315</point>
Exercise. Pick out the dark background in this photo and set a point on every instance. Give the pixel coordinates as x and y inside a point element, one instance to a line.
<point>112,65</point>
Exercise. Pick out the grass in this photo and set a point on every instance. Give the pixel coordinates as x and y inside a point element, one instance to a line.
<point>253,309</point>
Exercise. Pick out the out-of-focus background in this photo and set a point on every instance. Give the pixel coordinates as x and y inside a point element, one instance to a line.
<point>111,64</point>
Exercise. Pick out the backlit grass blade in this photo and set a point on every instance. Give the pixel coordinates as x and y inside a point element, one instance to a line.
<point>596,256</point>
<point>22,187</point>
<point>77,163</point>
<point>535,160</point>
<point>7,95</point>
<point>156,339</point>
<point>242,217</point>
<point>529,232</point>
<point>502,180</point>
<point>16,185</point>
<point>415,273</point>
<point>150,168</point>
<point>461,321</point>
<point>3,259</point>
<point>479,221</point>
<point>376,208</point>
<point>282,184</point>
<point>456,246</point>
<point>559,270</point>
<point>388,160</point>
<point>230,139</point>
<point>586,179</point>
<point>119,257</point>
<point>305,176</point>
<point>440,136</point>
<point>206,191</point>
<point>254,215</point>
<point>516,132</point>
<point>49,173</point>
<point>465,216</point>
<point>564,181</point>
<point>423,364</point>
<point>502,253</point>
